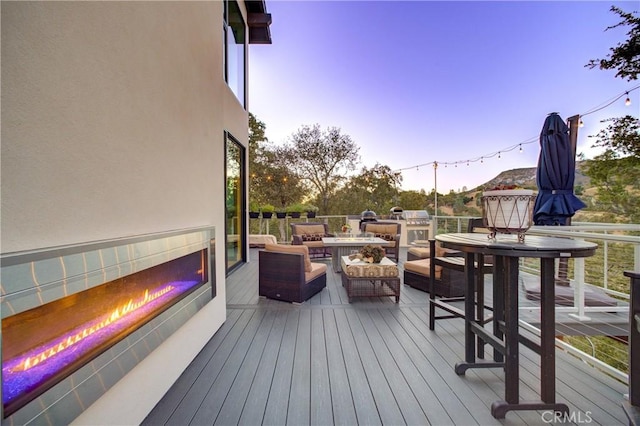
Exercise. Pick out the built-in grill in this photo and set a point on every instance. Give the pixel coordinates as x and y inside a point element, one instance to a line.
<point>416,217</point>
<point>416,225</point>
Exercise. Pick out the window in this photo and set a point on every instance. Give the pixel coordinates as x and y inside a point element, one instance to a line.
<point>234,49</point>
<point>235,192</point>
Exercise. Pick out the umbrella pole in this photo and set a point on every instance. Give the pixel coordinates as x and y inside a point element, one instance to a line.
<point>563,263</point>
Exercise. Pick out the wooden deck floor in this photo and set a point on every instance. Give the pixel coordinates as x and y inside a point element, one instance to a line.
<point>370,362</point>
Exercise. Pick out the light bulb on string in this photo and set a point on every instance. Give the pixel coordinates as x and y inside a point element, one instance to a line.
<point>627,101</point>
<point>581,123</point>
<point>482,160</point>
<point>499,156</point>
<point>521,150</point>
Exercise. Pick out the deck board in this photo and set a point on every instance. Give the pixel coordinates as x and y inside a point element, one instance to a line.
<point>372,361</point>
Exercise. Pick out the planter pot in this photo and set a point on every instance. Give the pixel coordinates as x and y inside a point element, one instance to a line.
<point>311,214</point>
<point>267,215</point>
<point>295,215</point>
<point>508,211</point>
<point>254,215</point>
<point>281,215</point>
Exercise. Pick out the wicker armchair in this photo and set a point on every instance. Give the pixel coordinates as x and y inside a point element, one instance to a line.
<point>310,234</point>
<point>449,282</point>
<point>287,273</point>
<point>422,252</point>
<point>388,231</point>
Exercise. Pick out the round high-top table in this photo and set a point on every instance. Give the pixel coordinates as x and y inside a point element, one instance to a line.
<point>505,337</point>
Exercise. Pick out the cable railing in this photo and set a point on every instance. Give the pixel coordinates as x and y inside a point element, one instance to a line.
<point>618,251</point>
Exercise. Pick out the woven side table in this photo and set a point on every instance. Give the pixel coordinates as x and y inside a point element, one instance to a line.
<point>362,279</point>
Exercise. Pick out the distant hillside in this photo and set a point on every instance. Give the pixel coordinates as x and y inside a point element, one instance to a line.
<point>526,178</point>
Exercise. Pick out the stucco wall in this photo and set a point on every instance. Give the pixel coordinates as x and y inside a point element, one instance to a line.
<point>113,116</point>
<point>112,120</point>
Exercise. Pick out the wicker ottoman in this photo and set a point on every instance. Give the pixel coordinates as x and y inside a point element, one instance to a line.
<point>362,279</point>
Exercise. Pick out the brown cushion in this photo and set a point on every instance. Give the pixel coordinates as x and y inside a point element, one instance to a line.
<point>317,269</point>
<point>382,228</point>
<point>309,230</point>
<point>421,252</point>
<point>442,252</point>
<point>281,248</point>
<point>422,267</point>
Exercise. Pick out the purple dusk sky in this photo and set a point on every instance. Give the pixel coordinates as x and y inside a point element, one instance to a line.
<point>421,81</point>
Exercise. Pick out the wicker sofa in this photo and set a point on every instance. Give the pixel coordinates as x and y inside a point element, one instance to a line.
<point>310,234</point>
<point>287,273</point>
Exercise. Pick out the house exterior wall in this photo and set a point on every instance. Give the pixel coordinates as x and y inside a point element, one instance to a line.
<point>113,120</point>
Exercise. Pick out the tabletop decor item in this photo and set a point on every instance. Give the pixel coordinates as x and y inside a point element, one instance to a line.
<point>346,228</point>
<point>372,253</point>
<point>507,209</point>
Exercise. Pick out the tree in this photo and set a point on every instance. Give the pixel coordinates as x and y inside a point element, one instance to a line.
<point>616,172</point>
<point>256,166</point>
<point>622,135</point>
<point>623,57</point>
<point>270,179</point>
<point>413,200</point>
<point>617,182</point>
<point>374,189</point>
<point>322,159</point>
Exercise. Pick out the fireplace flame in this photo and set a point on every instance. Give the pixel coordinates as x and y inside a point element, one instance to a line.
<point>117,314</point>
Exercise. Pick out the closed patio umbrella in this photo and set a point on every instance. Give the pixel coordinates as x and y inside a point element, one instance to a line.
<point>555,175</point>
<point>556,203</point>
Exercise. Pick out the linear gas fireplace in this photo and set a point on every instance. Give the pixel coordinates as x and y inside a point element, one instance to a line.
<point>45,345</point>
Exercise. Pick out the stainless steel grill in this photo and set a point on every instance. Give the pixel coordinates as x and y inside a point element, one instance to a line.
<point>416,217</point>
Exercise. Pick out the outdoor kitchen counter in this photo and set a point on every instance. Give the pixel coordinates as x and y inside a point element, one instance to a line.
<point>505,339</point>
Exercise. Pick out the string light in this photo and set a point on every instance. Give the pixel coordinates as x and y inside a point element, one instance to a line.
<point>602,106</point>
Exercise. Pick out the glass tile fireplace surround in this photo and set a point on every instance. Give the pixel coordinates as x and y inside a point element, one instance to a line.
<point>77,319</point>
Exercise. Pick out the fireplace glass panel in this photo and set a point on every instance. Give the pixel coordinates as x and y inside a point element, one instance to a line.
<point>43,345</point>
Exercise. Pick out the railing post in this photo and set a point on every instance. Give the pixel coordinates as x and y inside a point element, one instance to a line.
<point>605,278</point>
<point>578,289</point>
<point>632,406</point>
